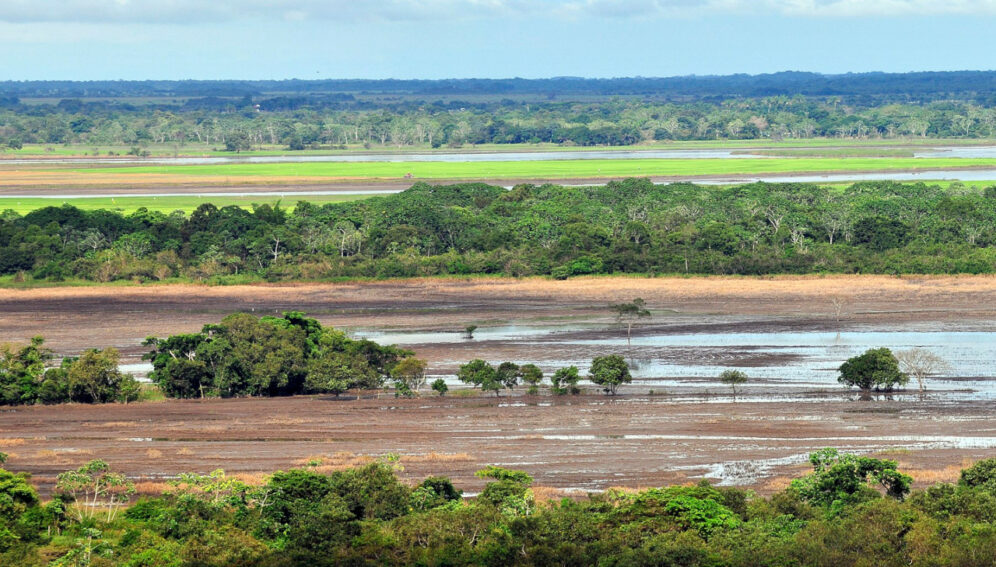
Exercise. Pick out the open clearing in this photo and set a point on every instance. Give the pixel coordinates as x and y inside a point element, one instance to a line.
<point>584,443</point>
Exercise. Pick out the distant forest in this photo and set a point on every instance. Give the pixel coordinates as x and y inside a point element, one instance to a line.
<point>299,115</point>
<point>923,86</point>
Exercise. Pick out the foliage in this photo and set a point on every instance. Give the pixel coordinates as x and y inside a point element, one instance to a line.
<point>565,381</point>
<point>269,356</point>
<point>409,374</point>
<point>93,377</point>
<point>842,478</point>
<point>94,486</point>
<point>610,372</point>
<point>876,369</point>
<point>629,313</point>
<point>367,516</point>
<point>733,378</point>
<point>629,226</point>
<point>439,386</point>
<point>532,375</point>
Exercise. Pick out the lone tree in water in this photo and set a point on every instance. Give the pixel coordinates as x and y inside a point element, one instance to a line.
<point>921,363</point>
<point>609,372</point>
<point>629,313</point>
<point>733,378</point>
<point>876,369</point>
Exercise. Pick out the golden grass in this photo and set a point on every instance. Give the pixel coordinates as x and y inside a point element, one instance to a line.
<point>434,457</point>
<point>154,454</point>
<point>12,442</point>
<point>950,473</point>
<point>151,487</point>
<point>62,457</point>
<point>185,451</point>
<point>283,420</point>
<point>335,462</point>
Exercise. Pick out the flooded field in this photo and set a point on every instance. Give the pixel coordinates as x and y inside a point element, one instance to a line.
<point>674,424</point>
<point>777,362</point>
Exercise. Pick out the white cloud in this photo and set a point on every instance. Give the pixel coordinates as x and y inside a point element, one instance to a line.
<point>208,11</point>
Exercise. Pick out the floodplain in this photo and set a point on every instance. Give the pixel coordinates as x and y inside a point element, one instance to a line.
<point>668,426</point>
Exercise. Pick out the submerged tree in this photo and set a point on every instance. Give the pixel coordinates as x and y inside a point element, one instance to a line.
<point>876,369</point>
<point>609,372</point>
<point>733,378</point>
<point>629,313</point>
<point>921,363</point>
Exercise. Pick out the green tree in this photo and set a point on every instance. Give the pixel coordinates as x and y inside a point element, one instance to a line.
<point>629,313</point>
<point>94,486</point>
<point>439,385</point>
<point>409,374</point>
<point>21,371</point>
<point>609,372</point>
<point>839,479</point>
<point>508,374</point>
<point>337,372</point>
<point>733,378</point>
<point>565,381</point>
<point>94,378</point>
<point>876,369</point>
<point>532,375</point>
<point>479,373</point>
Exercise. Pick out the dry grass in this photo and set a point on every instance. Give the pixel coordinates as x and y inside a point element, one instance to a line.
<point>184,451</point>
<point>252,478</point>
<point>335,462</point>
<point>284,420</point>
<point>12,442</point>
<point>154,454</point>
<point>950,473</point>
<point>434,457</point>
<point>63,456</point>
<point>545,494</point>
<point>151,487</point>
<point>116,424</point>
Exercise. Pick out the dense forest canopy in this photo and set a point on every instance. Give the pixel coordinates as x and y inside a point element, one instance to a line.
<point>630,226</point>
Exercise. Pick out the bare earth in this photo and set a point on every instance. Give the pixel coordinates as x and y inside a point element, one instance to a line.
<point>578,443</point>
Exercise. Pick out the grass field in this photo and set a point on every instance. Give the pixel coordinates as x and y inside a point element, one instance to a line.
<point>551,169</point>
<point>185,203</point>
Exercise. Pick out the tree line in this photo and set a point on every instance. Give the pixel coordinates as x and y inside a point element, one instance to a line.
<point>246,123</point>
<point>849,511</point>
<point>630,226</point>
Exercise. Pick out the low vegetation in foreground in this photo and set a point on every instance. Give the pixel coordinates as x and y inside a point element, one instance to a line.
<point>850,510</point>
<point>631,226</point>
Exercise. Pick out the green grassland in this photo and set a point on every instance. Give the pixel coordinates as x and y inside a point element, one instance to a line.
<point>169,204</point>
<point>552,169</point>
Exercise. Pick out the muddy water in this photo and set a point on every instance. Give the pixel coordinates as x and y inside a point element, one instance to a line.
<point>688,363</point>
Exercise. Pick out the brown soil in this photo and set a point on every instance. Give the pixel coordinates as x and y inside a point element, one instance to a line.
<point>161,439</point>
<point>579,442</point>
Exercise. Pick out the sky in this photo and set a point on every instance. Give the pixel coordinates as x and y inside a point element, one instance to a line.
<point>435,39</point>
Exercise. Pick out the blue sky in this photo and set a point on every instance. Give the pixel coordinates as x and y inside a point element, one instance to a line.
<point>307,39</point>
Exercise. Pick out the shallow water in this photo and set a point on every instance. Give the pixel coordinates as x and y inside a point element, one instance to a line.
<point>779,361</point>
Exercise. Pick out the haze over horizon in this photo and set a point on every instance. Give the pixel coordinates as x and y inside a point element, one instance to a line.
<point>438,39</point>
